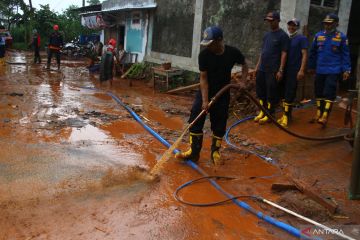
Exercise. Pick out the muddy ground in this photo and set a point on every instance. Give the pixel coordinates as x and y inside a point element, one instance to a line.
<point>68,152</point>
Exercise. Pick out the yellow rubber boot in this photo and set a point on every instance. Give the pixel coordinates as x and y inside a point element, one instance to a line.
<point>215,150</point>
<point>265,119</point>
<point>261,113</point>
<point>286,116</point>
<point>324,118</point>
<point>193,153</point>
<point>281,119</point>
<point>319,110</point>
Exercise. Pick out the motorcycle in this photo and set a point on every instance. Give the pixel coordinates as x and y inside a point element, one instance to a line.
<point>76,50</point>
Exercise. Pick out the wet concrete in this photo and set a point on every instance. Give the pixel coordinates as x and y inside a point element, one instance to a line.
<point>68,156</point>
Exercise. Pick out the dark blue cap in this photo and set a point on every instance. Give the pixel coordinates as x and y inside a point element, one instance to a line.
<point>330,18</point>
<point>211,34</point>
<point>272,16</point>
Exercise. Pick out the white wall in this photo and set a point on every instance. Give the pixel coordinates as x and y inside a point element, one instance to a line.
<point>294,8</point>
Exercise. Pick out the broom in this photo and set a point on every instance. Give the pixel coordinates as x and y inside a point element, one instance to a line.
<point>168,153</point>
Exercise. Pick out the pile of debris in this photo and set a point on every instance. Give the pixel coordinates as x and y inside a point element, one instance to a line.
<point>240,105</point>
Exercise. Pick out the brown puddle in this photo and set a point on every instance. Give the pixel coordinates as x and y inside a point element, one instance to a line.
<point>169,122</point>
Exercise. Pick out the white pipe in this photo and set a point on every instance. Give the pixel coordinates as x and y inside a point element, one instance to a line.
<point>307,219</point>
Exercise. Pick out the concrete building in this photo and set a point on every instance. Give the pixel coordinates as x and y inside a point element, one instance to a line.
<point>127,21</point>
<point>164,30</point>
<point>176,26</point>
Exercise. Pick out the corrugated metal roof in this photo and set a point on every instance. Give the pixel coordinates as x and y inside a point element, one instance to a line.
<point>123,8</point>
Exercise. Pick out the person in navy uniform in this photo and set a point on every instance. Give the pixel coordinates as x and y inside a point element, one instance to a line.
<point>270,66</point>
<point>330,58</point>
<point>216,61</point>
<point>294,70</point>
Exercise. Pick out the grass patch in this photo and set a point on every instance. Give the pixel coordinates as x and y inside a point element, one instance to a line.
<point>20,46</point>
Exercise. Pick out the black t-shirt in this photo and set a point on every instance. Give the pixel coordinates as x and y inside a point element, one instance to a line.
<point>218,67</point>
<point>56,39</point>
<point>273,44</point>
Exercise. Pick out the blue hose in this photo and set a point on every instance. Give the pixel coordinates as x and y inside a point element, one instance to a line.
<point>268,159</point>
<point>288,228</point>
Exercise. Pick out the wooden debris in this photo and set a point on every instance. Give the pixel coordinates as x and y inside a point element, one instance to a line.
<point>180,89</point>
<point>311,192</point>
<point>316,195</point>
<point>283,187</point>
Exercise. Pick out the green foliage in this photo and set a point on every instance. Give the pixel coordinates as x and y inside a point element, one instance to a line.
<point>137,70</point>
<point>93,2</point>
<point>20,46</point>
<point>43,21</point>
<point>190,77</point>
<point>18,34</point>
<point>10,10</point>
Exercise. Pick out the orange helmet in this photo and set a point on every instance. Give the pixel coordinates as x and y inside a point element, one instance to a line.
<point>56,27</point>
<point>112,42</point>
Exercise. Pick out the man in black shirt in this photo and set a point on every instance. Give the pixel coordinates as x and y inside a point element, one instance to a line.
<point>215,64</point>
<point>270,67</point>
<point>55,44</point>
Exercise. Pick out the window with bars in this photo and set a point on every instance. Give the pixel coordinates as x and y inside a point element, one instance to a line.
<point>326,3</point>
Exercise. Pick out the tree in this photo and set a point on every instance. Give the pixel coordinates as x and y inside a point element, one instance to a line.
<point>10,10</point>
<point>93,2</point>
<point>44,20</point>
<point>70,24</point>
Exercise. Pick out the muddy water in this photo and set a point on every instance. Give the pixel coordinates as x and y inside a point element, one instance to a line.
<point>71,163</point>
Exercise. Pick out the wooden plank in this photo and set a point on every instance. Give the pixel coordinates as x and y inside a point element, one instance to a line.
<point>316,195</point>
<point>180,89</point>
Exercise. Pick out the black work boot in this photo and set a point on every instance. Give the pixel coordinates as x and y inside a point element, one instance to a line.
<point>215,150</point>
<point>193,153</point>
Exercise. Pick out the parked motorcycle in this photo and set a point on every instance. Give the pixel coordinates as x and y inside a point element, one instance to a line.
<point>76,50</point>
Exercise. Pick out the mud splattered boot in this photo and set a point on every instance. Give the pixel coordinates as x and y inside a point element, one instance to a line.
<point>324,118</point>
<point>287,114</point>
<point>215,150</point>
<point>193,153</point>
<point>266,119</point>
<point>319,110</point>
<point>261,113</point>
<point>281,119</point>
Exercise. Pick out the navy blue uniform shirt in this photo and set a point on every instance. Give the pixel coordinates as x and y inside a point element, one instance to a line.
<point>294,57</point>
<point>273,44</point>
<point>330,53</point>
